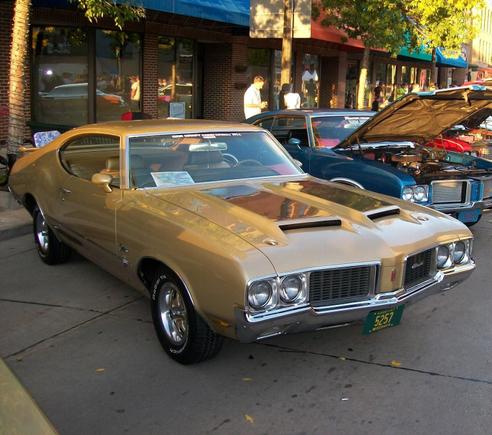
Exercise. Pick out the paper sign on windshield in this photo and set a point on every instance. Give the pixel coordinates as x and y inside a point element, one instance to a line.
<point>171,179</point>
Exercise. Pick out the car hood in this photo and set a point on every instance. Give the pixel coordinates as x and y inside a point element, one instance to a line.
<point>306,222</point>
<point>423,116</point>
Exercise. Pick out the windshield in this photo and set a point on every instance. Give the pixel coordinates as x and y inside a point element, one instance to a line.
<point>184,159</point>
<point>329,131</point>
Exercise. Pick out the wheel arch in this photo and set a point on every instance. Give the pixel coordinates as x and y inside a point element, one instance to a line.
<point>147,272</point>
<point>29,203</point>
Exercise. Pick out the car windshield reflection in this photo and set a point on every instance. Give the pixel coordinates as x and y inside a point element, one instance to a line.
<point>186,159</point>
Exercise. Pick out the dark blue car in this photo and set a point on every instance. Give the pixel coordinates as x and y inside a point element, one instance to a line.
<point>384,152</point>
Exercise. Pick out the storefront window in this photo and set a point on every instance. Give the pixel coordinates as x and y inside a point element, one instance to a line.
<point>175,78</point>
<point>118,74</point>
<point>60,81</point>
<point>310,81</point>
<point>351,84</point>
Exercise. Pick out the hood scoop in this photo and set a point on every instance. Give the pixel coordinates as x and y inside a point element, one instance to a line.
<point>297,224</point>
<point>383,212</point>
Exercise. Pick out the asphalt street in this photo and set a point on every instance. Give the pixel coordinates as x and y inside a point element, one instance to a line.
<point>84,346</point>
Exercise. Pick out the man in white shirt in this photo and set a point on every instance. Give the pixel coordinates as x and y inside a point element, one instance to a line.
<point>252,98</point>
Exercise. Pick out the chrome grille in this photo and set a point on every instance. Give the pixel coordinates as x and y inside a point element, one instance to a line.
<point>332,286</point>
<point>419,268</point>
<point>449,191</point>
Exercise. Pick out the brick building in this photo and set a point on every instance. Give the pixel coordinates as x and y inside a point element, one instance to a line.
<point>187,58</point>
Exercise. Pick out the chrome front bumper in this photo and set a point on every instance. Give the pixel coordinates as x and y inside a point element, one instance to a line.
<point>250,328</point>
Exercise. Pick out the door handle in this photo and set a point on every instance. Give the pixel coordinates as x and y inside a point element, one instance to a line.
<point>65,190</point>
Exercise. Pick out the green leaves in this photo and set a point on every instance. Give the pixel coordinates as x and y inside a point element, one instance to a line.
<point>120,13</point>
<point>392,24</point>
<point>379,23</point>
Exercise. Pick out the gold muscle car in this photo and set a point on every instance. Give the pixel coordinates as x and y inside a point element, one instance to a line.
<point>228,236</point>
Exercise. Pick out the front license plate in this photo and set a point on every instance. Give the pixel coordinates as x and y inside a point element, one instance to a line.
<point>469,216</point>
<point>377,320</point>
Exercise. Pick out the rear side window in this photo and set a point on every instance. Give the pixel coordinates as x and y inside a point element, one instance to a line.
<point>91,154</point>
<point>265,123</point>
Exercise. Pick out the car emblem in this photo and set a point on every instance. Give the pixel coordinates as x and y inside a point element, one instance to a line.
<point>417,265</point>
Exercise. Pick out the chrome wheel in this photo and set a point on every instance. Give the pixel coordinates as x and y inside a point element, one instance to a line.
<point>41,231</point>
<point>173,314</point>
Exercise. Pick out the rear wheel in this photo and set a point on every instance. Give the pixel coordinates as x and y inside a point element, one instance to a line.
<point>49,248</point>
<point>183,334</point>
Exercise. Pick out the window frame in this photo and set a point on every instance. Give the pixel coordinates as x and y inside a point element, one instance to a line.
<point>72,139</point>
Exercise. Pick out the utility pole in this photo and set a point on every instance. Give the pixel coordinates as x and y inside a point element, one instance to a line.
<point>288,36</point>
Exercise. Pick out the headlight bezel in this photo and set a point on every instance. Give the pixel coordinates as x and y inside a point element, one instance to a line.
<point>409,193</point>
<point>453,261</point>
<point>278,297</point>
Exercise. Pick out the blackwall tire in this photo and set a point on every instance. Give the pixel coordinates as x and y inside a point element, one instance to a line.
<point>49,248</point>
<point>183,334</point>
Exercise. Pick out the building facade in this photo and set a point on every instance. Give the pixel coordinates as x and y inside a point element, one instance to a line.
<point>186,59</point>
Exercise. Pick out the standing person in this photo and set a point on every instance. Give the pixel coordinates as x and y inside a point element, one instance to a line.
<point>281,96</point>
<point>135,93</point>
<point>252,98</point>
<point>310,85</point>
<point>377,97</point>
<point>292,99</point>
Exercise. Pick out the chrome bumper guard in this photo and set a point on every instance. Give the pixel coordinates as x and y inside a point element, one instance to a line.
<point>303,318</point>
<point>456,208</point>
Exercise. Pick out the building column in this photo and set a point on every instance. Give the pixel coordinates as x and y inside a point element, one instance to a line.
<point>342,79</point>
<point>150,73</point>
<point>219,79</point>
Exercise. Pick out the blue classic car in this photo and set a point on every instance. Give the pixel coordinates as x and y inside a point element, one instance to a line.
<point>385,152</point>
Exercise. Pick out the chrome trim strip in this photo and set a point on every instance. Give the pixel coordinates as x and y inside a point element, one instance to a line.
<point>467,201</point>
<point>347,182</point>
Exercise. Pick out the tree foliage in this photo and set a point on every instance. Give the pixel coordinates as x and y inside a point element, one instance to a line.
<point>119,13</point>
<point>443,24</point>
<point>378,23</point>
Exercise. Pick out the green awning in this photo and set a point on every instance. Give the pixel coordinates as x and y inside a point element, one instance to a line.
<point>417,55</point>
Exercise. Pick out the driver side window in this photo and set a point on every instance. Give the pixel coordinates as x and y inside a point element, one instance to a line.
<point>291,127</point>
<point>87,155</point>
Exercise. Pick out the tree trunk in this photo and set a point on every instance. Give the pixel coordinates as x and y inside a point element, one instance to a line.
<point>286,74</point>
<point>434,68</point>
<point>362,79</point>
<point>18,60</point>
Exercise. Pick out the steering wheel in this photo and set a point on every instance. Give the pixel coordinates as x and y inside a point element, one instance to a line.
<point>231,160</point>
<point>250,162</point>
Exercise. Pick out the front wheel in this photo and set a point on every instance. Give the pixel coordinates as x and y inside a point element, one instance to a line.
<point>49,248</point>
<point>183,334</point>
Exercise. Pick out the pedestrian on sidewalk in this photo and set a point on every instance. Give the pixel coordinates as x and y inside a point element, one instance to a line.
<point>252,98</point>
<point>292,99</point>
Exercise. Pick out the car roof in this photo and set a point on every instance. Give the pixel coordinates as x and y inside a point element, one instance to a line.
<point>318,112</point>
<point>177,126</point>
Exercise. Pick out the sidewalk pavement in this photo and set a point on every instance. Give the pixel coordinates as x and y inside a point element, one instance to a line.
<point>14,219</point>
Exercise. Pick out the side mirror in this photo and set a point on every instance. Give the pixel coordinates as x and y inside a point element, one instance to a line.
<point>298,163</point>
<point>102,180</point>
<point>295,142</point>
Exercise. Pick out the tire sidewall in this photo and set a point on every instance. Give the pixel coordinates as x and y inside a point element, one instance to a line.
<point>170,348</point>
<point>45,256</point>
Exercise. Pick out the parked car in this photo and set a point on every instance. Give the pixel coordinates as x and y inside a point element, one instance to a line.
<point>385,152</point>
<point>226,234</point>
<point>67,104</point>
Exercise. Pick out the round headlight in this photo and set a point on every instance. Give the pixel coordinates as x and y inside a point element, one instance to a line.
<point>407,194</point>
<point>443,257</point>
<point>420,194</point>
<point>259,294</point>
<point>459,252</point>
<point>291,288</point>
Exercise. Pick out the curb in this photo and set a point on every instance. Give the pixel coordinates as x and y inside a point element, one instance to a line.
<point>17,231</point>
